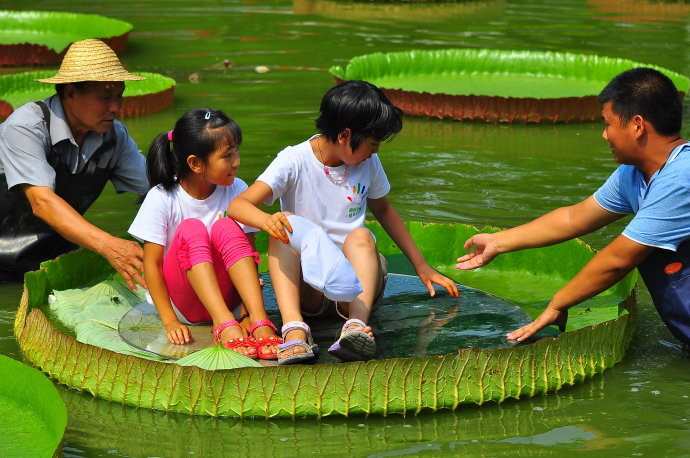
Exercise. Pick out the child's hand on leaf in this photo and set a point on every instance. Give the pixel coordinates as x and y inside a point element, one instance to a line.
<point>177,333</point>
<point>429,276</point>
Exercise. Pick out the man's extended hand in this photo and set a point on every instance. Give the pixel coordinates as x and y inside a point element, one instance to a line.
<point>548,316</point>
<point>484,248</point>
<point>127,258</point>
<point>429,276</point>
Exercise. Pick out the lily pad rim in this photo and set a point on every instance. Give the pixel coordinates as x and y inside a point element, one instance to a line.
<point>340,71</point>
<point>120,27</point>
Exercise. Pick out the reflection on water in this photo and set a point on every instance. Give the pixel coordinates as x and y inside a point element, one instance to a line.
<point>126,431</point>
<point>410,323</point>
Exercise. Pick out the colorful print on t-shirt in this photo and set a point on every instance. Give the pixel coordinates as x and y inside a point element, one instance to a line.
<point>357,195</point>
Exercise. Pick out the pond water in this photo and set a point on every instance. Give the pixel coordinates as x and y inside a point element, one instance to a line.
<point>440,171</point>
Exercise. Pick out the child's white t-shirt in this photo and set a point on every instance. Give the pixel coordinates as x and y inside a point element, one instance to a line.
<point>162,211</point>
<point>298,179</point>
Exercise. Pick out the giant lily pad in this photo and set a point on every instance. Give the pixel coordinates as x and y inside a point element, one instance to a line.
<point>596,339</point>
<point>493,85</point>
<point>42,37</point>
<point>155,93</point>
<point>32,415</point>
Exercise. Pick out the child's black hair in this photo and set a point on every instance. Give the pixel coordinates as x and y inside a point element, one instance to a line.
<point>197,132</point>
<point>361,107</point>
<point>648,93</point>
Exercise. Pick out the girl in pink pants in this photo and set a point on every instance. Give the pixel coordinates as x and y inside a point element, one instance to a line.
<point>192,245</point>
<point>201,266</point>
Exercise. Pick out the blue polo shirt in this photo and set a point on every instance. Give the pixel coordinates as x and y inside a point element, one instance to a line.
<point>661,206</point>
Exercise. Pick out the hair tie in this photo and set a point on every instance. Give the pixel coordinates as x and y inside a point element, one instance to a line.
<point>207,116</point>
<point>170,135</point>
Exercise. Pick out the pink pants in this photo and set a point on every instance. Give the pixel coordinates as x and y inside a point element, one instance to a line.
<point>192,245</point>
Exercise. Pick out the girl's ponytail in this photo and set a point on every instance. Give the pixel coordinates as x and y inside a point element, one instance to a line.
<point>161,162</point>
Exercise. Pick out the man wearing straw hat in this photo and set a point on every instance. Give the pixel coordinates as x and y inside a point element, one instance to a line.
<point>57,156</point>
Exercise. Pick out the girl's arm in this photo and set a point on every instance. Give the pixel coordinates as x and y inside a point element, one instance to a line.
<point>244,208</point>
<point>177,332</point>
<point>394,226</point>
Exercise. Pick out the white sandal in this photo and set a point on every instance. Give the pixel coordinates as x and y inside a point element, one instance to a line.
<point>311,350</point>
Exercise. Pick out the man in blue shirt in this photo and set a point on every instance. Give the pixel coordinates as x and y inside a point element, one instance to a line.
<point>642,114</point>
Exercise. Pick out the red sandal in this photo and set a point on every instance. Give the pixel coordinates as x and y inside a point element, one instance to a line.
<point>264,341</point>
<point>232,344</point>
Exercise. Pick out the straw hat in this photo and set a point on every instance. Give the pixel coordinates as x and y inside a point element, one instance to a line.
<point>90,60</point>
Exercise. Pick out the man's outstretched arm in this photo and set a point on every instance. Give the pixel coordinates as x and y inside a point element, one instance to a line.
<point>125,256</point>
<point>556,226</point>
<point>606,268</point>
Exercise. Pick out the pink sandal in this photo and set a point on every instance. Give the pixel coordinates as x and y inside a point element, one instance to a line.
<point>232,344</point>
<point>263,341</point>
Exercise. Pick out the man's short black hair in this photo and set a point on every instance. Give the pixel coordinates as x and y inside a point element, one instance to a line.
<point>361,107</point>
<point>649,93</point>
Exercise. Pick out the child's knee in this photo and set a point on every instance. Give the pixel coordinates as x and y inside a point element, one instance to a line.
<point>227,229</point>
<point>361,238</point>
<point>281,250</point>
<point>192,245</point>
<point>231,242</point>
<point>192,229</point>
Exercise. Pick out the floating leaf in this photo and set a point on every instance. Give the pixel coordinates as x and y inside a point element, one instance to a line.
<point>217,357</point>
<point>381,387</point>
<point>56,30</point>
<point>32,415</point>
<point>494,85</point>
<point>19,88</point>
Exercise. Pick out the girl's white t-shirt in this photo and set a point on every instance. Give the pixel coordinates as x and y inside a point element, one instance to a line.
<point>298,179</point>
<point>162,211</point>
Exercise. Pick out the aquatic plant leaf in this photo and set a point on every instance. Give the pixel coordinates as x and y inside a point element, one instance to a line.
<point>20,88</point>
<point>106,301</point>
<point>33,416</point>
<point>216,357</point>
<point>492,73</point>
<point>56,30</point>
<point>381,387</point>
<point>93,314</point>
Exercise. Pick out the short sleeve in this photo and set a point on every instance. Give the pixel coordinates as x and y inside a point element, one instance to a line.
<point>280,173</point>
<point>130,170</point>
<point>151,222</point>
<point>663,220</point>
<point>380,186</point>
<point>612,194</point>
<point>23,154</point>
